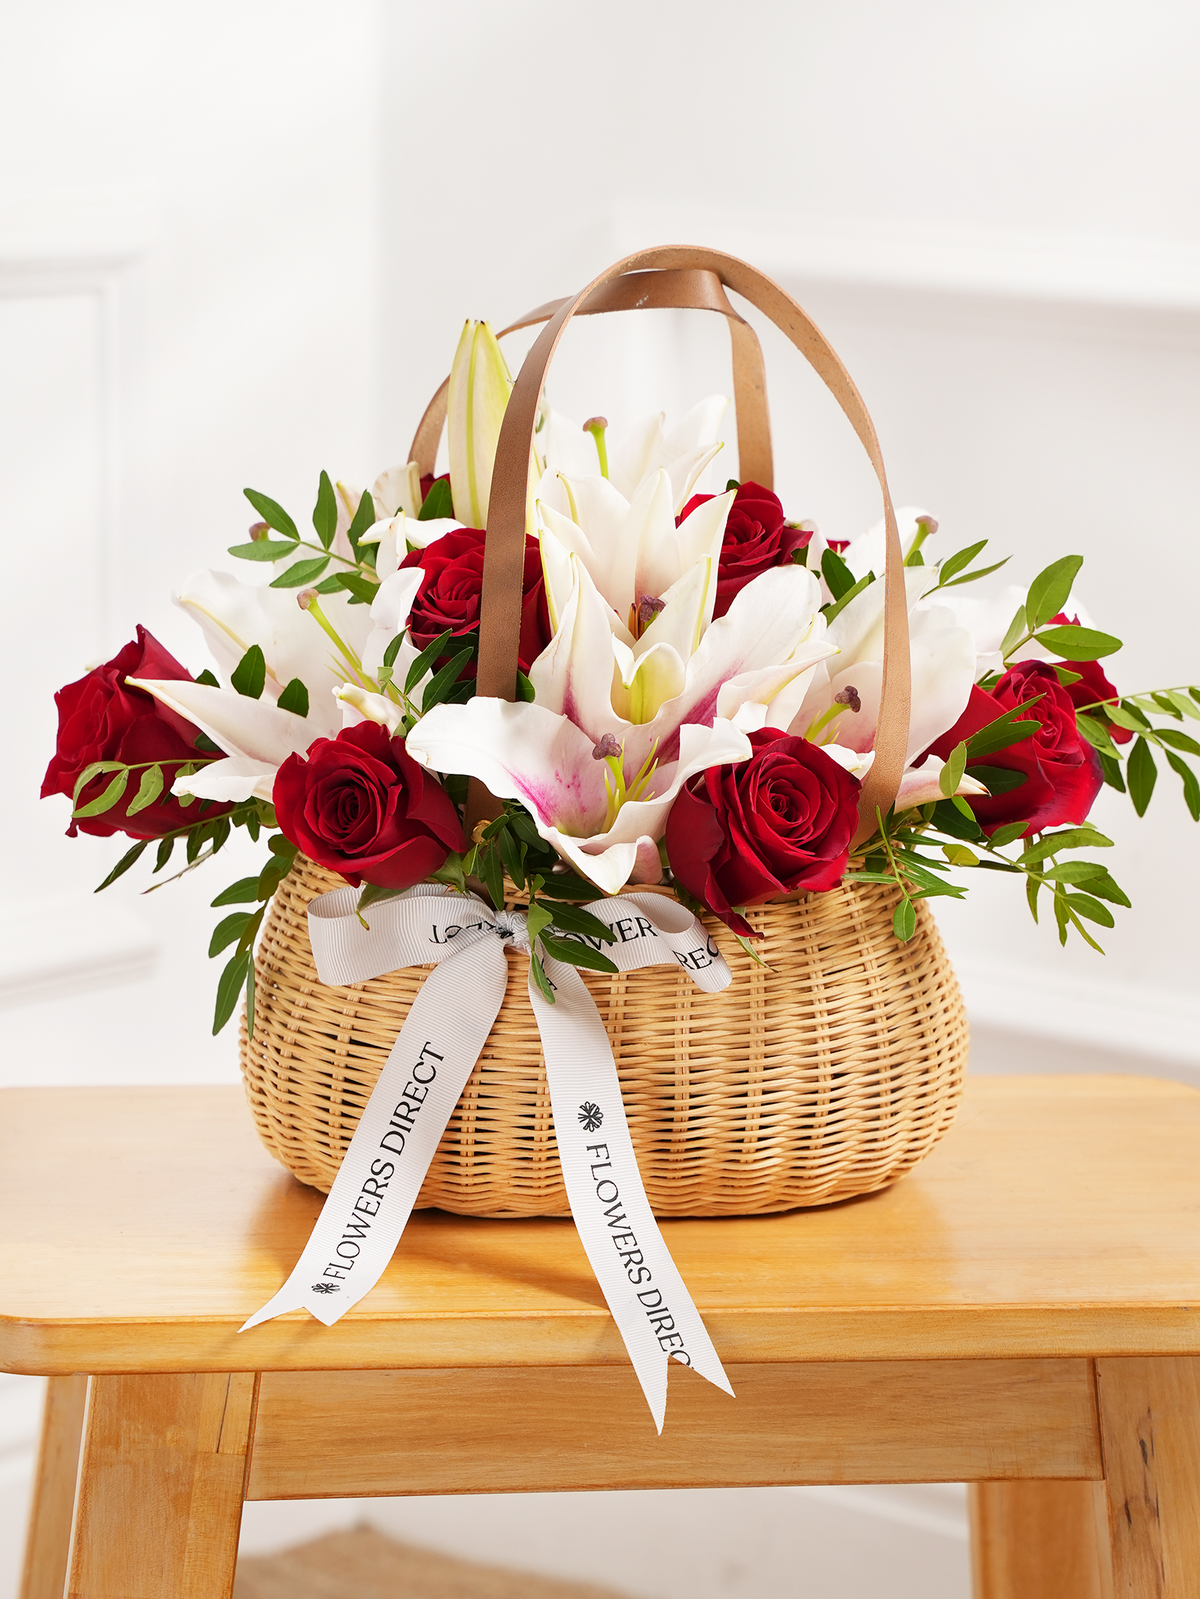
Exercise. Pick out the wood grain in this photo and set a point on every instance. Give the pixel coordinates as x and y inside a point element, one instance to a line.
<point>418,1432</point>
<point>48,1544</point>
<point>1150,1429</point>
<point>1057,1218</point>
<point>1039,1540</point>
<point>161,1487</point>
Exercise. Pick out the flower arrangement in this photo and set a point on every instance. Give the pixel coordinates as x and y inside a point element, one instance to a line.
<point>698,693</point>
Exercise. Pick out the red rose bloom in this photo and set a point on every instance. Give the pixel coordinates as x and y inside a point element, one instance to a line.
<point>101,718</point>
<point>450,590</point>
<point>757,537</point>
<point>361,805</point>
<point>1092,686</point>
<point>1061,772</point>
<point>783,820</point>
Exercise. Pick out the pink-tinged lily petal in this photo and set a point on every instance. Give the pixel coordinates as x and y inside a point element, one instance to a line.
<point>239,725</point>
<point>234,778</point>
<point>527,752</point>
<point>647,866</point>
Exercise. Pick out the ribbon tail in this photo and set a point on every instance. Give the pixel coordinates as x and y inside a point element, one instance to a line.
<point>652,1308</point>
<point>380,1177</point>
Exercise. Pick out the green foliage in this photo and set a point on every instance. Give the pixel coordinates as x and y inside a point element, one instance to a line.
<point>1079,643</point>
<point>837,575</point>
<point>438,502</point>
<point>324,517</point>
<point>249,676</point>
<point>272,513</point>
<point>301,574</point>
<point>294,698</point>
<point>1141,775</point>
<point>263,550</point>
<point>1050,591</point>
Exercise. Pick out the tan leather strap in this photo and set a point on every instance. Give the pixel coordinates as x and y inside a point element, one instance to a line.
<point>686,289</point>
<point>504,557</point>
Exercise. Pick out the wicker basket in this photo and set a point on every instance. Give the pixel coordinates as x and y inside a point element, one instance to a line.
<point>831,1074</point>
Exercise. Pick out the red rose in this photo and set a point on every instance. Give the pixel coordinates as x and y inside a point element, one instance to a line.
<point>101,718</point>
<point>450,590</point>
<point>757,537</point>
<point>1092,686</point>
<point>739,835</point>
<point>1061,772</point>
<point>361,805</point>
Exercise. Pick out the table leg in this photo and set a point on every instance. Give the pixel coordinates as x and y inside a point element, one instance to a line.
<point>49,1540</point>
<point>161,1487</point>
<point>1039,1540</point>
<point>1150,1436</point>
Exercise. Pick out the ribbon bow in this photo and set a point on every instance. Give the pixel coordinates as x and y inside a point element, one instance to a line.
<point>442,1038</point>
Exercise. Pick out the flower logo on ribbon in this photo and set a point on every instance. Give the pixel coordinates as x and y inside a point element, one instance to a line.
<point>325,1288</point>
<point>590,1116</point>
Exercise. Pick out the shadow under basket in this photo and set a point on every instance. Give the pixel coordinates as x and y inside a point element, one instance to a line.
<point>827,1072</point>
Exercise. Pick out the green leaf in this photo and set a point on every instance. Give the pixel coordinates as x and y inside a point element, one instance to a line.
<point>511,854</point>
<point>209,680</point>
<point>1165,705</point>
<point>538,917</point>
<point>301,574</point>
<point>1104,887</point>
<point>998,779</point>
<point>243,892</point>
<point>262,550</point>
<point>330,585</point>
<point>165,846</point>
<point>1050,591</point>
<point>948,818</point>
<point>1141,774</point>
<point>566,886</point>
<point>491,874</point>
<point>1062,914</point>
<point>1095,732</point>
<point>1111,767</point>
<point>1005,835</point>
<point>443,680</point>
<point>1177,740</point>
<point>1004,730</point>
<point>324,515</point>
<point>1128,716</point>
<point>1085,905</point>
<point>1016,630</point>
<point>1074,872</point>
<point>94,770</point>
<point>250,999</point>
<point>371,894</point>
<point>105,800</point>
<point>229,986</point>
<point>249,676</point>
<point>1191,788</point>
<point>362,590</point>
<point>1065,676</point>
<point>272,513</point>
<point>960,855</point>
<point>384,676</point>
<point>540,978</point>
<point>573,920</point>
<point>566,949</point>
<point>904,922</point>
<point>973,577</point>
<point>1032,884</point>
<point>438,502</point>
<point>423,662</point>
<point>525,689</point>
<point>364,517</point>
<point>951,774</point>
<point>226,931</point>
<point>1183,704</point>
<point>959,561</point>
<point>837,574</point>
<point>123,864</point>
<point>150,787</point>
<point>294,698</point>
<point>1078,643</point>
<point>840,604</point>
<point>1070,838</point>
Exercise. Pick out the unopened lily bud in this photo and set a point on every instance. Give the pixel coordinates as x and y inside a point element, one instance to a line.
<point>259,531</point>
<point>607,749</point>
<point>305,598</point>
<point>479,388</point>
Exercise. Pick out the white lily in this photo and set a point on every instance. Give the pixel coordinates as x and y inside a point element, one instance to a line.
<point>256,735</point>
<point>842,702</point>
<point>868,551</point>
<point>394,492</point>
<point>751,666</point>
<point>480,384</point>
<point>683,451</point>
<point>234,615</point>
<point>599,810</point>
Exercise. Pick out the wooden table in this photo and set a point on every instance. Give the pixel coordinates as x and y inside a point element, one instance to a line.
<point>1021,1313</point>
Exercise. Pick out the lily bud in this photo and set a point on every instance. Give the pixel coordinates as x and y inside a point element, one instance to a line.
<point>479,388</point>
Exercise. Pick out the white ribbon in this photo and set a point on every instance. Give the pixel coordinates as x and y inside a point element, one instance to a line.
<point>443,1036</point>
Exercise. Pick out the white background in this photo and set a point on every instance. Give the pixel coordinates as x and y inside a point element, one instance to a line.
<point>236,246</point>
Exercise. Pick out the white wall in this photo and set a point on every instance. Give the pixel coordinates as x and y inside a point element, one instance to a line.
<point>236,245</point>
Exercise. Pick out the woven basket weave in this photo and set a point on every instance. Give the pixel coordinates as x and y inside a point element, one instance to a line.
<point>831,1074</point>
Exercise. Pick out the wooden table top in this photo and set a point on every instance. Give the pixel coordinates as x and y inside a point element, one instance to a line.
<point>139,1227</point>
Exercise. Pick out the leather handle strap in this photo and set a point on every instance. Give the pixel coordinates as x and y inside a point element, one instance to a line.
<point>682,289</point>
<point>504,555</point>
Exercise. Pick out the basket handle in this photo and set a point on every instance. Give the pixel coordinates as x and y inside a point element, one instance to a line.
<point>504,554</point>
<point>684,289</point>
